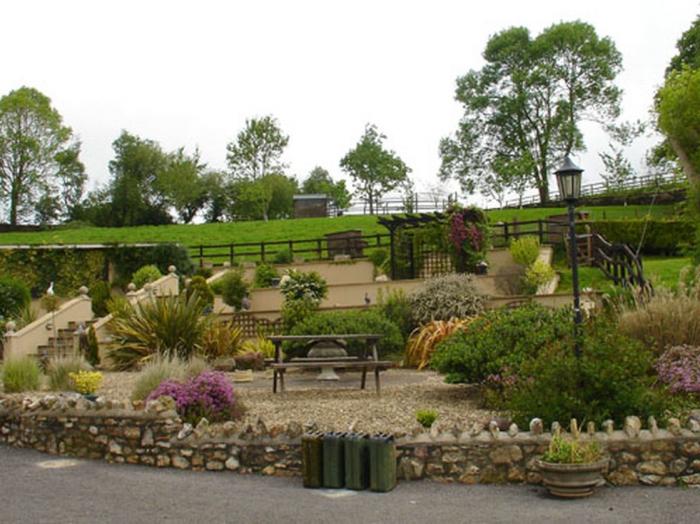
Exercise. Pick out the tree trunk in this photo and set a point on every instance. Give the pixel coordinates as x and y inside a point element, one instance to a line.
<point>543,190</point>
<point>14,201</point>
<point>684,161</point>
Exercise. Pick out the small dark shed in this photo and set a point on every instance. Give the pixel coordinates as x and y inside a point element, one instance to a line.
<point>310,206</point>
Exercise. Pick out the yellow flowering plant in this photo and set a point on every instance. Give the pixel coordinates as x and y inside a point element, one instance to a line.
<point>86,382</point>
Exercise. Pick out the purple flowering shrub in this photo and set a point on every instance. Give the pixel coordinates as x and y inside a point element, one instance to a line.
<point>209,395</point>
<point>679,367</point>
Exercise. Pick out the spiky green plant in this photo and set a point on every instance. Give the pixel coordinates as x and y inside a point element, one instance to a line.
<point>172,327</point>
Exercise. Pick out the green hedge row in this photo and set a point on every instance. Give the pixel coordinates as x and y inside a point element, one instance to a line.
<point>667,237</point>
<point>71,268</point>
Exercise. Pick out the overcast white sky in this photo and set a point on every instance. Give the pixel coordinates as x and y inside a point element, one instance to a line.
<point>189,73</point>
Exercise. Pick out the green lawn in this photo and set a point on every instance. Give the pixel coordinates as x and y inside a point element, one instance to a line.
<point>662,271</point>
<point>257,231</point>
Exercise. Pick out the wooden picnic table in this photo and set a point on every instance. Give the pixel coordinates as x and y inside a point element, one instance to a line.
<point>368,359</point>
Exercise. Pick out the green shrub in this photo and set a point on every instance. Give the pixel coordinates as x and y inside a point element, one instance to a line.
<point>297,285</point>
<point>265,274</point>
<point>154,373</point>
<point>499,341</point>
<point>199,286</point>
<point>92,348</point>
<point>426,417</point>
<point>14,297</point>
<point>100,293</point>
<point>525,250</point>
<point>446,297</point>
<point>59,368</point>
<point>395,305</point>
<point>350,322</point>
<point>145,275</point>
<point>171,326</point>
<point>296,311</point>
<point>611,380</point>
<point>20,374</point>
<point>205,272</point>
<point>661,236</point>
<point>536,275</point>
<point>283,257</point>
<point>233,288</point>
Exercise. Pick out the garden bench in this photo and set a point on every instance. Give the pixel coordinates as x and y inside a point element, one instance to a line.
<point>367,361</point>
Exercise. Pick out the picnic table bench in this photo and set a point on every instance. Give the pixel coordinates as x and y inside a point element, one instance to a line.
<point>366,361</point>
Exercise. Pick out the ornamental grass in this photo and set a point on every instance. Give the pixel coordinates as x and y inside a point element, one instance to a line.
<point>421,345</point>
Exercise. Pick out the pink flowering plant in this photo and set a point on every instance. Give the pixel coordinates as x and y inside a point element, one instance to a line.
<point>468,236</point>
<point>679,367</point>
<point>208,395</point>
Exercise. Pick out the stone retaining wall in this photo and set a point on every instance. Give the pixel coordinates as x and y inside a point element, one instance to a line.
<point>153,435</point>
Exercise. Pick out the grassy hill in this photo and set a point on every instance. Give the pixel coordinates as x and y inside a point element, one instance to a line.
<point>297,229</point>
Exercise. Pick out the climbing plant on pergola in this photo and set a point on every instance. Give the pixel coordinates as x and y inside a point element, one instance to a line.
<point>436,243</point>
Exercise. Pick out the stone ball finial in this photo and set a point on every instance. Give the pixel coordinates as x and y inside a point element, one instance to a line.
<point>83,290</point>
<point>131,287</point>
<point>10,326</point>
<point>188,281</point>
<point>171,269</point>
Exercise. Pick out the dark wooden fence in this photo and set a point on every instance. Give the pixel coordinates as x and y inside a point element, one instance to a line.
<point>308,249</point>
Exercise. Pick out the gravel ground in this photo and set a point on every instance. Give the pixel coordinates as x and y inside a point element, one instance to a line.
<point>341,405</point>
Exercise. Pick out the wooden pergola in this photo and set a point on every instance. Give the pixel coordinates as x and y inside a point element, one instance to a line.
<point>394,223</point>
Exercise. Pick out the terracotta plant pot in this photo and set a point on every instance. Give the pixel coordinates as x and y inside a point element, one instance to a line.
<point>572,480</point>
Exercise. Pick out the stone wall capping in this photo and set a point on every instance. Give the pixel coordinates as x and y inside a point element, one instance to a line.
<point>590,428</point>
<point>608,426</point>
<point>674,426</point>
<point>536,426</point>
<point>632,426</point>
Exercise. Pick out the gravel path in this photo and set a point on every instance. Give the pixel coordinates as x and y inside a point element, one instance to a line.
<point>340,405</point>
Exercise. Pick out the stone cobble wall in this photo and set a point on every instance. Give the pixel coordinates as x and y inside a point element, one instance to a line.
<point>153,435</point>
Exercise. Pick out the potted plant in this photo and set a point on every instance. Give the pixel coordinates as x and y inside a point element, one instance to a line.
<point>571,468</point>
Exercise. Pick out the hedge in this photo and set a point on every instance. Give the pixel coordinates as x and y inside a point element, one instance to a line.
<point>71,268</point>
<point>667,237</point>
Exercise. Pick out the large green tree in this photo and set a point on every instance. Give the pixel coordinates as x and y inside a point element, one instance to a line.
<point>673,117</point>
<point>319,181</point>
<point>135,197</point>
<point>183,184</point>
<point>688,47</point>
<point>257,150</point>
<point>40,170</point>
<point>268,197</point>
<point>373,169</point>
<point>523,108</point>
<point>678,107</point>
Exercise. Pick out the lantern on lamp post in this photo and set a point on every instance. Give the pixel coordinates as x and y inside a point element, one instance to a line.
<point>569,182</point>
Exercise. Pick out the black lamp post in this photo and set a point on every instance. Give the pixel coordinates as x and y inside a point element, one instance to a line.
<point>569,182</point>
